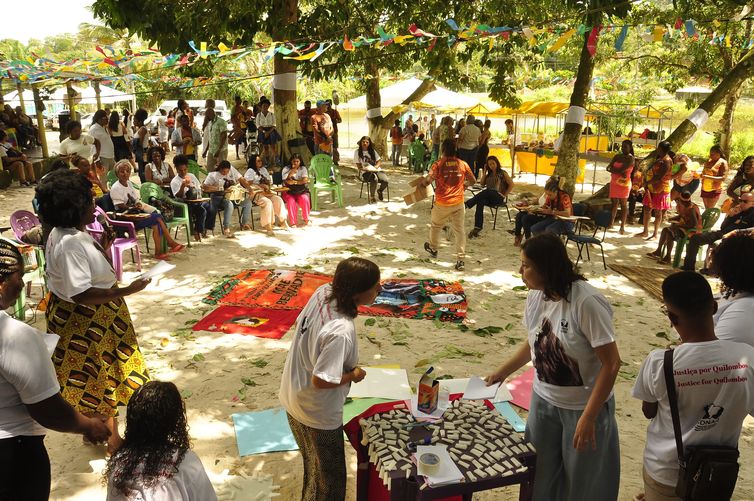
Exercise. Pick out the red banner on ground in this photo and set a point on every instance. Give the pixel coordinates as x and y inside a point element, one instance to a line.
<point>279,289</point>
<point>259,322</point>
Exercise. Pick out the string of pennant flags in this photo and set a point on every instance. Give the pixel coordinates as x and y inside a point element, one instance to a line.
<point>112,65</point>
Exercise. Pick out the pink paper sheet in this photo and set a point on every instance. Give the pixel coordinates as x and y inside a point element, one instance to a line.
<point>520,388</point>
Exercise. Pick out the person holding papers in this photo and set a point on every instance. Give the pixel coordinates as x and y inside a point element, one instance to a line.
<point>321,365</point>
<point>572,347</point>
<point>97,359</point>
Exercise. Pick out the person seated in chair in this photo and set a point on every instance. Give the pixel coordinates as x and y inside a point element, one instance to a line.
<point>740,217</point>
<point>296,179</point>
<point>185,186</point>
<point>270,204</point>
<point>545,218</point>
<point>127,198</point>
<point>368,161</point>
<point>13,160</point>
<point>158,171</point>
<point>222,186</point>
<point>687,222</point>
<point>497,185</point>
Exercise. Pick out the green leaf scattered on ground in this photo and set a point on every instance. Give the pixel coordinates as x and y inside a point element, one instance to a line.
<point>452,351</point>
<point>511,340</point>
<point>353,250</point>
<point>259,362</point>
<point>508,326</point>
<point>518,288</point>
<point>248,381</point>
<point>199,357</point>
<point>273,253</point>
<point>445,376</point>
<point>663,335</point>
<point>186,394</point>
<point>307,267</point>
<point>370,322</point>
<point>422,362</point>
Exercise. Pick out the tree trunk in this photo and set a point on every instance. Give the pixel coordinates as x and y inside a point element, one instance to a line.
<point>730,84</point>
<point>568,155</point>
<point>379,126</point>
<point>286,112</point>
<point>726,122</point>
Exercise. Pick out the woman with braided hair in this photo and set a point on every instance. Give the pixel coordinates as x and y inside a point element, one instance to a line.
<point>97,359</point>
<point>155,461</point>
<point>30,399</point>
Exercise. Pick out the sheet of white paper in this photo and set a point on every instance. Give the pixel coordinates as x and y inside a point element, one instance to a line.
<point>51,341</point>
<point>477,389</point>
<point>454,385</point>
<point>503,395</point>
<point>448,473</point>
<point>160,268</point>
<point>419,415</point>
<point>382,383</point>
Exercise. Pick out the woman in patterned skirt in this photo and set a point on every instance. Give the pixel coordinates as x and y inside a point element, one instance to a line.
<point>321,365</point>
<point>97,359</point>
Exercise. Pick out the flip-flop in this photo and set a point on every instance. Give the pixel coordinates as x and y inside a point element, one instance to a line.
<point>162,257</point>
<point>177,248</point>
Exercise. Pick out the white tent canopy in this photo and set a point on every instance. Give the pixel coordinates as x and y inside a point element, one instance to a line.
<point>108,95</point>
<point>394,95</point>
<point>11,98</point>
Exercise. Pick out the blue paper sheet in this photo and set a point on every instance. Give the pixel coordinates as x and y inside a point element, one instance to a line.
<point>511,416</point>
<point>263,431</point>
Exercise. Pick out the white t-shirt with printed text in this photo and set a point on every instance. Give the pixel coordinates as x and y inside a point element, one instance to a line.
<point>217,180</point>
<point>562,337</point>
<point>715,387</point>
<point>325,346</point>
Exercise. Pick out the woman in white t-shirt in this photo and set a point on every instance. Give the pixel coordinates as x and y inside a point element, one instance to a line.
<point>97,359</point>
<point>572,347</point>
<point>162,129</point>
<point>77,143</point>
<point>158,171</point>
<point>368,161</point>
<point>126,197</point>
<point>322,363</point>
<point>270,204</point>
<point>30,399</point>
<point>296,179</point>
<point>155,462</point>
<point>732,263</point>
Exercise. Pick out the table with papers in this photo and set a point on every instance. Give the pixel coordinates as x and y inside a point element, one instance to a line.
<point>485,452</point>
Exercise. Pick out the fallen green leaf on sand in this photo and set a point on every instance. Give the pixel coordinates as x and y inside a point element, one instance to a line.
<point>248,381</point>
<point>199,357</point>
<point>370,322</point>
<point>259,362</point>
<point>520,288</point>
<point>186,393</point>
<point>422,362</point>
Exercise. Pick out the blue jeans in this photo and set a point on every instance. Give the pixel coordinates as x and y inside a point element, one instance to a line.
<point>563,473</point>
<point>219,203</point>
<point>203,215</point>
<point>396,154</point>
<point>552,225</point>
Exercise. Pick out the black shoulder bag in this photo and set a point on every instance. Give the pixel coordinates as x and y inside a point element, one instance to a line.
<point>706,471</point>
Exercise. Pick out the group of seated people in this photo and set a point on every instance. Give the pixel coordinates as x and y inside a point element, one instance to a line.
<point>223,190</point>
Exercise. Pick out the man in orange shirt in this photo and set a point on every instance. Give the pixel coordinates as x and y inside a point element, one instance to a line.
<point>451,175</point>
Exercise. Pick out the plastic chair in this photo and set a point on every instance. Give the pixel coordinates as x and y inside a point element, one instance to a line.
<point>181,214</point>
<point>22,221</point>
<point>120,244</point>
<point>709,218</point>
<point>494,209</point>
<point>601,221</point>
<point>416,152</point>
<point>323,169</point>
<point>112,178</point>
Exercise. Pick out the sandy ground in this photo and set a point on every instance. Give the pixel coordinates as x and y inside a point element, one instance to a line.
<point>391,234</point>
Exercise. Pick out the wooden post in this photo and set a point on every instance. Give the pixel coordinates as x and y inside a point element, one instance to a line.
<point>97,94</point>
<point>20,91</point>
<point>39,107</point>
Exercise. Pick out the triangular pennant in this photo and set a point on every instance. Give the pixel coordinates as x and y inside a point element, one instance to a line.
<point>621,39</point>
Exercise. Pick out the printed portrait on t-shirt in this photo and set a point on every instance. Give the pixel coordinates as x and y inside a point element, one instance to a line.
<point>552,363</point>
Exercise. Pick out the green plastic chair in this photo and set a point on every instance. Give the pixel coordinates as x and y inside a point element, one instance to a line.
<point>322,169</point>
<point>181,215</point>
<point>709,218</point>
<point>416,153</point>
<point>112,178</point>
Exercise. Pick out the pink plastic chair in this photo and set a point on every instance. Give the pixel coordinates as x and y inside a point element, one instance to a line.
<point>22,221</point>
<point>120,244</point>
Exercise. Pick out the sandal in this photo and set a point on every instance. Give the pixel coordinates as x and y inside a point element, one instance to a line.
<point>177,248</point>
<point>162,257</point>
<point>245,227</point>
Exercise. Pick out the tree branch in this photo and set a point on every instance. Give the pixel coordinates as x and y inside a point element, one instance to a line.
<point>663,61</point>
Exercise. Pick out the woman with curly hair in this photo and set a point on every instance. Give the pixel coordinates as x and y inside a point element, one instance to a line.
<point>97,358</point>
<point>158,171</point>
<point>572,347</point>
<point>155,461</point>
<point>733,265</point>
<point>321,365</point>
